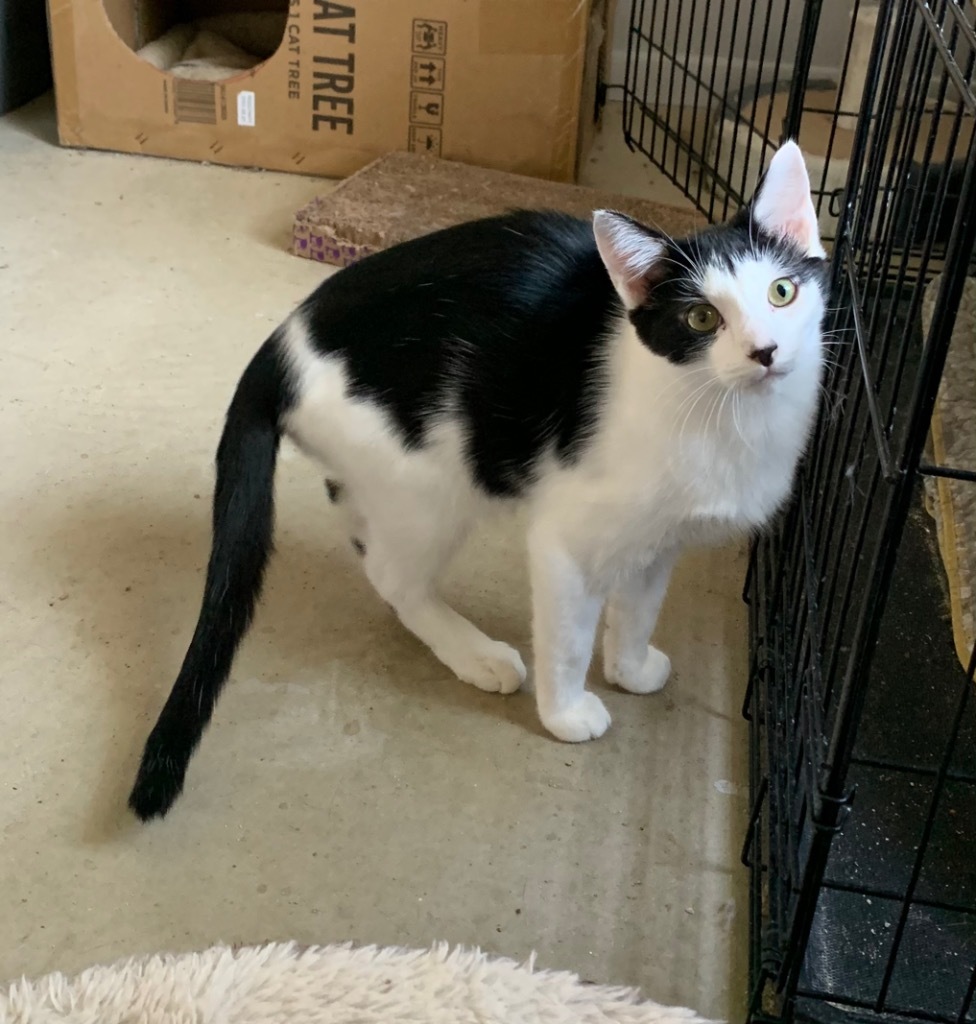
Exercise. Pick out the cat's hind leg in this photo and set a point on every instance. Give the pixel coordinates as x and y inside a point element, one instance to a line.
<point>404,557</point>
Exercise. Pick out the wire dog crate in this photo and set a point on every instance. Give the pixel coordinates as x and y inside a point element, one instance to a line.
<point>861,844</point>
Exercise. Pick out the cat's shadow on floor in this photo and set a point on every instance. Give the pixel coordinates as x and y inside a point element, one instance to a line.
<point>135,588</point>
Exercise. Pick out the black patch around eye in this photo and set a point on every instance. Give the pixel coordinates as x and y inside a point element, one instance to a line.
<point>663,327</point>
<point>661,321</point>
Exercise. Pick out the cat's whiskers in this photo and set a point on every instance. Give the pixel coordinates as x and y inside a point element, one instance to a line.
<point>697,395</point>
<point>735,420</point>
<point>717,411</point>
<point>689,402</point>
<point>682,378</point>
<point>831,401</point>
<point>701,262</point>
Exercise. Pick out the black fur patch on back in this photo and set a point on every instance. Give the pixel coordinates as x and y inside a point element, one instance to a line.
<point>501,323</point>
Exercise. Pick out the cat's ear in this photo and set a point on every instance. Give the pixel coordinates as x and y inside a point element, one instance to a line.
<point>783,205</point>
<point>633,256</point>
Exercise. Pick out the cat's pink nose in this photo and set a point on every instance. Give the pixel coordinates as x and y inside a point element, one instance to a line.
<point>763,356</point>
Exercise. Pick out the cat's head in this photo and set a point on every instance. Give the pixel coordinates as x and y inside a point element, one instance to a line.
<point>746,298</point>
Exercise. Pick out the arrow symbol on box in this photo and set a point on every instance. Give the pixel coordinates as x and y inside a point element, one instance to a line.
<point>428,67</point>
<point>426,79</point>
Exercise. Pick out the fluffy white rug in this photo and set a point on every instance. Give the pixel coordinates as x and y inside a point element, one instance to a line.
<point>281,983</point>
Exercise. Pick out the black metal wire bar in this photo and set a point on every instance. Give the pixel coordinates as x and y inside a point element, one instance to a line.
<point>789,754</point>
<point>651,31</point>
<point>880,129</point>
<point>697,95</point>
<point>719,23</point>
<point>691,6</point>
<point>801,70</point>
<point>754,816</point>
<point>835,443</point>
<point>690,72</point>
<point>844,568</point>
<point>949,472</point>
<point>778,755</point>
<point>967,29</point>
<point>865,389</point>
<point>910,898</point>
<point>876,259</point>
<point>751,136</point>
<point>928,247</point>
<point>967,1002</point>
<point>710,213</point>
<point>845,65</point>
<point>888,470</point>
<point>672,52</point>
<point>676,140</point>
<point>919,415</point>
<point>780,847</point>
<point>865,1004</point>
<point>902,93</point>
<point>758,790</point>
<point>630,68</point>
<point>796,575</point>
<point>738,195</point>
<point>823,466</point>
<point>880,893</point>
<point>883,764</point>
<point>961,81</point>
<point>917,105</point>
<point>812,634</point>
<point>816,859</point>
<point>782,134</point>
<point>843,492</point>
<point>839,462</point>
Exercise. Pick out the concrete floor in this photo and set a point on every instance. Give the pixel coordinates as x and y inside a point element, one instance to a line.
<point>348,789</point>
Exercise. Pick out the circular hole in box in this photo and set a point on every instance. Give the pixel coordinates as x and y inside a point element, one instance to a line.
<point>205,40</point>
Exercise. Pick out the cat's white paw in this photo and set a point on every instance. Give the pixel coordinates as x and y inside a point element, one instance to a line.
<point>497,668</point>
<point>646,678</point>
<point>587,719</point>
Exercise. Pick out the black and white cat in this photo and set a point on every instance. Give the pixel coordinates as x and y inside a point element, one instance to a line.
<point>638,394</point>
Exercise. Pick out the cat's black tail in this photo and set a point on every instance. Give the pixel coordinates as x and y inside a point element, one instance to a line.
<point>243,521</point>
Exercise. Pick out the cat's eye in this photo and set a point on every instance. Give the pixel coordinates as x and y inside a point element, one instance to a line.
<point>782,291</point>
<point>703,318</point>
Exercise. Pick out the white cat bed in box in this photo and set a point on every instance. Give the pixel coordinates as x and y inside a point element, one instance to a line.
<point>217,47</point>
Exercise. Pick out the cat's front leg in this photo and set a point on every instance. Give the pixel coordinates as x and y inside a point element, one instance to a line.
<point>565,612</point>
<point>628,660</point>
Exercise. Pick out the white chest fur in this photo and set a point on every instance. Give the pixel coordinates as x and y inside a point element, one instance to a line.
<point>678,459</point>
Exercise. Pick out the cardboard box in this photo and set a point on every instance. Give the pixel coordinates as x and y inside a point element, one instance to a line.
<point>497,83</point>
